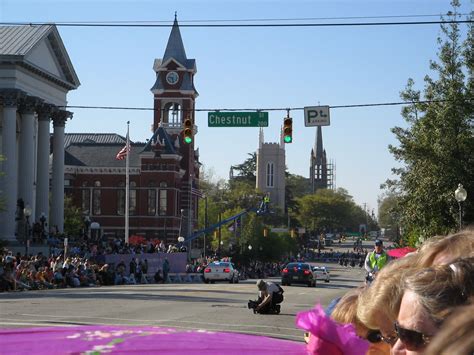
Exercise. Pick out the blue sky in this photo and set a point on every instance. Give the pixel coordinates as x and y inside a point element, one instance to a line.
<point>254,68</point>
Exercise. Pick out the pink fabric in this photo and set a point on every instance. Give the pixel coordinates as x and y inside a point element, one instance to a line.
<point>328,337</point>
<point>139,340</point>
<point>400,252</point>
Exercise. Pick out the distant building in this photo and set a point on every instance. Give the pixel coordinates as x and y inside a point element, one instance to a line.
<point>321,173</point>
<point>271,170</point>
<point>164,172</point>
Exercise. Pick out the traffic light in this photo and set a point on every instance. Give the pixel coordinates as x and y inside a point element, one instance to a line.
<point>288,130</point>
<point>188,131</point>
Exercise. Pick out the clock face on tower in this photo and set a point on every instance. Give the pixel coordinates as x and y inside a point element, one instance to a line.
<point>172,77</point>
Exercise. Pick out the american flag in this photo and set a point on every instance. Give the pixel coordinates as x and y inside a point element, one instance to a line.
<point>122,154</point>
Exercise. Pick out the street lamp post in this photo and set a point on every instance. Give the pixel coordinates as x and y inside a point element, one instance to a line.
<point>181,223</point>
<point>43,222</point>
<point>460,195</point>
<point>87,224</point>
<point>27,213</point>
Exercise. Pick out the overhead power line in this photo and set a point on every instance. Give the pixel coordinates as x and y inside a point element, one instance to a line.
<point>399,103</point>
<point>221,25</point>
<point>259,19</point>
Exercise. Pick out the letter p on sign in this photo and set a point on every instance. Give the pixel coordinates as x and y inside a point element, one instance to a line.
<point>316,116</point>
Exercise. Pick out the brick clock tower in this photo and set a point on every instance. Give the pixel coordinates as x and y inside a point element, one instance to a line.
<point>164,172</point>
<point>174,101</point>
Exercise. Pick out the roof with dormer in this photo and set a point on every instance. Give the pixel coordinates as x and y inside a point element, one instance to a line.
<point>23,45</point>
<point>162,138</point>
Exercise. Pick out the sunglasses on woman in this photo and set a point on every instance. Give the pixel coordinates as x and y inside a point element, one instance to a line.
<point>375,336</point>
<point>412,339</point>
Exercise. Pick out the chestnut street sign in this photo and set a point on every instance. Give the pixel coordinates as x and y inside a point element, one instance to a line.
<point>237,119</point>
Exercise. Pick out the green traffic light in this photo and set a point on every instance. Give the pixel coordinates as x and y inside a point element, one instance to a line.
<point>287,139</point>
<point>188,140</point>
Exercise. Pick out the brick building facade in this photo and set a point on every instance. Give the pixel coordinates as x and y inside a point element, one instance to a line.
<point>164,172</point>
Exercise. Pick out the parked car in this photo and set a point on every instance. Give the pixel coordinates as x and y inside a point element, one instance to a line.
<point>221,271</point>
<point>322,273</point>
<point>298,273</point>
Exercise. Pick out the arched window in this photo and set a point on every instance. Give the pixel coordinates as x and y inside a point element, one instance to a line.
<point>85,197</point>
<point>270,174</point>
<point>151,198</point>
<point>121,199</point>
<point>172,114</point>
<point>96,197</point>
<point>163,209</point>
<point>133,198</point>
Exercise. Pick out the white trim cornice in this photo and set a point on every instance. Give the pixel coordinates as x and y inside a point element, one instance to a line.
<point>172,156</point>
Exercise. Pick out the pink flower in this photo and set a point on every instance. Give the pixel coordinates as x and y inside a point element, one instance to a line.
<point>328,337</point>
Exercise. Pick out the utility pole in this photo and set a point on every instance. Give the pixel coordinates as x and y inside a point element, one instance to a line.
<point>206,224</point>
<point>366,219</point>
<point>220,235</point>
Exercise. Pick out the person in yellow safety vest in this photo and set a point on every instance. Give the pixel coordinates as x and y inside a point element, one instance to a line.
<point>376,260</point>
<point>264,205</point>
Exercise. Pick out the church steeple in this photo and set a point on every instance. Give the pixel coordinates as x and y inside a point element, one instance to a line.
<point>175,46</point>
<point>318,146</point>
<point>318,163</point>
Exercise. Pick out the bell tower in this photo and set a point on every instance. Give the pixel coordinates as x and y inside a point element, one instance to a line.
<point>174,91</point>
<point>174,97</point>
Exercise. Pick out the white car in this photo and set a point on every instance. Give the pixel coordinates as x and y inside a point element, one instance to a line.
<point>322,273</point>
<point>221,271</point>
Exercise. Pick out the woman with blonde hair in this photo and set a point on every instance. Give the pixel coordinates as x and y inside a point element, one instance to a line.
<point>378,305</point>
<point>430,296</point>
<point>440,250</point>
<point>346,312</point>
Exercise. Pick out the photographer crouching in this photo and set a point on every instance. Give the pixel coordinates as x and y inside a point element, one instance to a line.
<point>270,296</point>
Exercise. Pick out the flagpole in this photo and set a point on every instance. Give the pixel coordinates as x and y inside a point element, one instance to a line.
<point>127,184</point>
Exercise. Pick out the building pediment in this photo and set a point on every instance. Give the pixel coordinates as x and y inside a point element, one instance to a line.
<point>39,49</point>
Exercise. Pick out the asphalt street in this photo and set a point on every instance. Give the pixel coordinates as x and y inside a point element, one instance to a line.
<point>215,307</point>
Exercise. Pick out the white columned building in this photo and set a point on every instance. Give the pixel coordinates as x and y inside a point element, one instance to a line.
<point>35,76</point>
<point>42,175</point>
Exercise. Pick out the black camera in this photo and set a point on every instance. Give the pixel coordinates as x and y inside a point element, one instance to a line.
<point>252,305</point>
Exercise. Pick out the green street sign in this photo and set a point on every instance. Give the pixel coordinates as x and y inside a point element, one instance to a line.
<point>237,119</point>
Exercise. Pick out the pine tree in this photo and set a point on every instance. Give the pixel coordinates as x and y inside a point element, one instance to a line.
<point>437,147</point>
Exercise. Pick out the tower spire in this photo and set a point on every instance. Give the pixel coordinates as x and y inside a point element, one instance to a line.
<point>175,46</point>
<point>318,145</point>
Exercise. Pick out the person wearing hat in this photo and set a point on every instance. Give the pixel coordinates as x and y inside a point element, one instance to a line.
<point>269,297</point>
<point>376,260</point>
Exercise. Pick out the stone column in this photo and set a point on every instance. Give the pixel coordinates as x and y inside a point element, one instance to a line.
<point>57,184</point>
<point>9,183</point>
<point>27,153</point>
<point>42,175</point>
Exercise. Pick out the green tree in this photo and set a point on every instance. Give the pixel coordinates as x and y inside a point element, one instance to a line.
<point>388,210</point>
<point>72,218</point>
<point>326,209</point>
<point>296,186</point>
<point>437,146</point>
<point>247,169</point>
